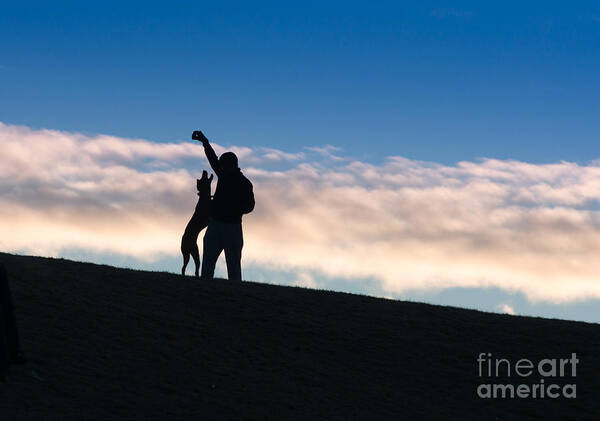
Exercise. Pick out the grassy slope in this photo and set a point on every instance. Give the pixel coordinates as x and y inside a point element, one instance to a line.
<point>121,344</point>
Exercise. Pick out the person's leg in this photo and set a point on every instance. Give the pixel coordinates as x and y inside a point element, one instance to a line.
<point>233,242</point>
<point>213,245</point>
<point>196,257</point>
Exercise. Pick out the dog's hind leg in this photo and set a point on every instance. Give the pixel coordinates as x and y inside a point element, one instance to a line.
<point>186,259</point>
<point>196,256</point>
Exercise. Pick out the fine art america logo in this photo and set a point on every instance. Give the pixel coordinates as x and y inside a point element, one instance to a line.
<point>525,372</point>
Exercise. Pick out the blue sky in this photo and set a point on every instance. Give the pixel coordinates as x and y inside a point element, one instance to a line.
<point>427,81</point>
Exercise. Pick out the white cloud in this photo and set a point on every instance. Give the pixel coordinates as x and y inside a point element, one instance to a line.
<point>277,155</point>
<point>326,151</point>
<point>305,280</point>
<point>505,308</point>
<point>409,224</point>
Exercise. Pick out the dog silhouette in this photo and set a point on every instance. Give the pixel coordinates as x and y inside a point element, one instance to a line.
<point>199,221</point>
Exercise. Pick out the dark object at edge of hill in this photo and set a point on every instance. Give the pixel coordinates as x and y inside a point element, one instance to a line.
<point>10,351</point>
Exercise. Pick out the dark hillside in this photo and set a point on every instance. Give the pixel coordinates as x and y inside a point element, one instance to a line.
<point>122,344</point>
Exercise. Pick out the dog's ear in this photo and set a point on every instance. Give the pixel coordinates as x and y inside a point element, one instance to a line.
<point>204,174</point>
<point>210,178</point>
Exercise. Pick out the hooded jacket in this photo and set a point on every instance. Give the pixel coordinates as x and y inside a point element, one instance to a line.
<point>234,195</point>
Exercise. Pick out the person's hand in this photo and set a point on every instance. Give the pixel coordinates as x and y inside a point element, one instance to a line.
<point>199,136</point>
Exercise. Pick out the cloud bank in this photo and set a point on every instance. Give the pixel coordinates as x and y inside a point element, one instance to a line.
<point>408,224</point>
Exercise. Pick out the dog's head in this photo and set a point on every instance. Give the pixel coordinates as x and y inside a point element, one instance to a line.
<point>203,184</point>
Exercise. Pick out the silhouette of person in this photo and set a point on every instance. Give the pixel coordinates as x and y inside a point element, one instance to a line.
<point>234,197</point>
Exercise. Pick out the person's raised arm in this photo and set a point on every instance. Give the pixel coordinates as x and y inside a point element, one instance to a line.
<point>209,151</point>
